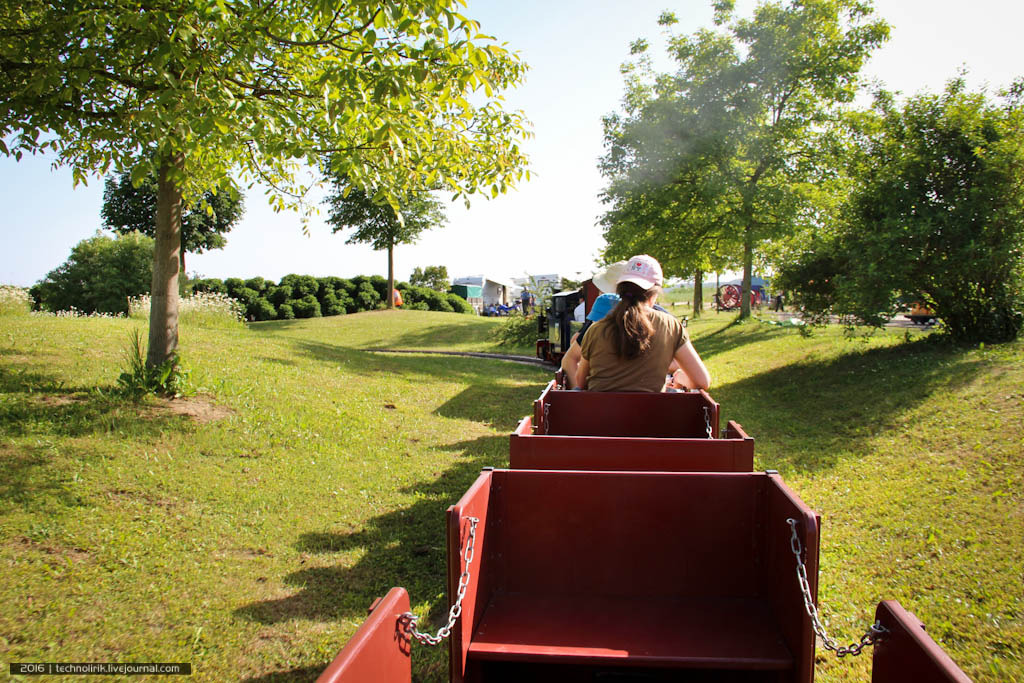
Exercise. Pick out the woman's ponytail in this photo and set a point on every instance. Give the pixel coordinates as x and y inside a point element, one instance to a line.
<point>631,326</point>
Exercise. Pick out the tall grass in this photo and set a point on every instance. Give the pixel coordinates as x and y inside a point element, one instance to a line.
<point>202,309</point>
<point>14,300</point>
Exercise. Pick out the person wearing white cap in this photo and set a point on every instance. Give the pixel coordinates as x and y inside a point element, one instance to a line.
<point>631,347</point>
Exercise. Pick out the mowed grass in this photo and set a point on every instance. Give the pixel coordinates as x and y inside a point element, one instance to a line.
<point>250,538</point>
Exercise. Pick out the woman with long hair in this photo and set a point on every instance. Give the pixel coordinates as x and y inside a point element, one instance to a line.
<point>631,348</point>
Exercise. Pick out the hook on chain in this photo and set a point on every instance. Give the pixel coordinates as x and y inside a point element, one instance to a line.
<point>874,632</point>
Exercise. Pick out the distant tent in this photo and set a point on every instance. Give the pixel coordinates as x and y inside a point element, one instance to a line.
<point>755,282</point>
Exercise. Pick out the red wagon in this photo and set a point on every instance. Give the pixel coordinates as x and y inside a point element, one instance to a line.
<point>672,432</point>
<point>629,576</point>
<point>630,541</point>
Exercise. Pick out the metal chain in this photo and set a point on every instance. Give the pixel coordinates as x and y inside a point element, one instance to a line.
<point>456,609</point>
<point>874,633</point>
<point>547,415</point>
<point>707,422</point>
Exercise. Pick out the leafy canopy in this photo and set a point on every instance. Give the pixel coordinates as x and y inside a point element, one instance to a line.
<point>708,162</point>
<point>936,215</point>
<point>250,90</point>
<point>432,277</point>
<point>99,276</point>
<point>206,95</point>
<point>379,225</point>
<point>127,208</point>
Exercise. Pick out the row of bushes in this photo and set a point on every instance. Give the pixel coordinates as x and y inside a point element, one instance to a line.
<point>305,296</point>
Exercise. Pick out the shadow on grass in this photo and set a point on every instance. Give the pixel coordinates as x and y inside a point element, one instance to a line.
<point>403,547</point>
<point>805,416</point>
<point>302,673</point>
<point>487,403</point>
<point>28,481</point>
<point>743,333</point>
<point>37,403</point>
<point>441,335</point>
<point>476,371</point>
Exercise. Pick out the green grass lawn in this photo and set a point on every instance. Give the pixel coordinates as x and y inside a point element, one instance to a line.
<point>250,537</point>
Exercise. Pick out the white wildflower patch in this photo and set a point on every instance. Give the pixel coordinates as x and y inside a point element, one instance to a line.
<point>14,300</point>
<point>75,313</point>
<point>201,308</point>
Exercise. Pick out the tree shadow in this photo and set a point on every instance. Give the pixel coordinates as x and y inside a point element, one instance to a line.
<point>470,369</point>
<point>403,547</point>
<point>806,416</point>
<point>302,673</point>
<point>717,342</point>
<point>489,402</point>
<point>38,403</point>
<point>429,337</point>
<point>28,481</point>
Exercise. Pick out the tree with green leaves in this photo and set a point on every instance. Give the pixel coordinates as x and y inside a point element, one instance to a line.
<point>127,208</point>
<point>99,276</point>
<point>935,215</point>
<point>379,224</point>
<point>722,151</point>
<point>208,95</point>
<point>433,277</point>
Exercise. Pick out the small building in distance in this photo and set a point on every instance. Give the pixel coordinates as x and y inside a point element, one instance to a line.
<point>481,291</point>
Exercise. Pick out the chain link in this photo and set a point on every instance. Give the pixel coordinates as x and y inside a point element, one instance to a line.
<point>547,417</point>
<point>873,634</point>
<point>707,423</point>
<point>456,610</point>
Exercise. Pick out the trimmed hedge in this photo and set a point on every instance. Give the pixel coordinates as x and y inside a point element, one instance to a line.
<point>305,296</point>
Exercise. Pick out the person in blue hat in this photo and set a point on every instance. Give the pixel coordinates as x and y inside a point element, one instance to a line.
<point>571,360</point>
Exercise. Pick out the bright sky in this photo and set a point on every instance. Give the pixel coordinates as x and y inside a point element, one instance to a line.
<point>549,225</point>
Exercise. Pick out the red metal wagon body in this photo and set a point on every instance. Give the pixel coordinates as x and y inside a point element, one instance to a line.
<point>581,430</point>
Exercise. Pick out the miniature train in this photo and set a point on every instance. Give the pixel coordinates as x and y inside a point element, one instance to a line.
<point>630,540</point>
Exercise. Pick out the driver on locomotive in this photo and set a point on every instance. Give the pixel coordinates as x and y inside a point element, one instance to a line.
<point>631,347</point>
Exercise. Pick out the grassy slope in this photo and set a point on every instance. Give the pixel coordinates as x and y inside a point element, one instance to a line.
<point>251,545</point>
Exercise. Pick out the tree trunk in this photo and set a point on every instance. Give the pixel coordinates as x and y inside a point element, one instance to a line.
<point>698,293</point>
<point>748,266</point>
<point>163,305</point>
<point>391,276</point>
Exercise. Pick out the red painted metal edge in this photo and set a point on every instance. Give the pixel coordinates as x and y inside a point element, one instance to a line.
<point>908,653</point>
<point>379,649</point>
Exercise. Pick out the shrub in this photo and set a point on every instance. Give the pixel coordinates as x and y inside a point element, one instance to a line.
<point>329,305</point>
<point>367,298</point>
<point>301,285</point>
<point>380,285</point>
<point>516,330</point>
<point>279,295</point>
<point>261,309</point>
<point>458,304</point>
<point>257,284</point>
<point>233,284</point>
<point>210,284</point>
<point>306,307</point>
<point>285,312</point>
<point>99,275</point>
<point>14,300</point>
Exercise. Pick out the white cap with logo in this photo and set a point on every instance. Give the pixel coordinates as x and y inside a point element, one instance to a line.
<point>643,271</point>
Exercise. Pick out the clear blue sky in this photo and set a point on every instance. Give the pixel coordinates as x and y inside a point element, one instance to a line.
<point>574,48</point>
